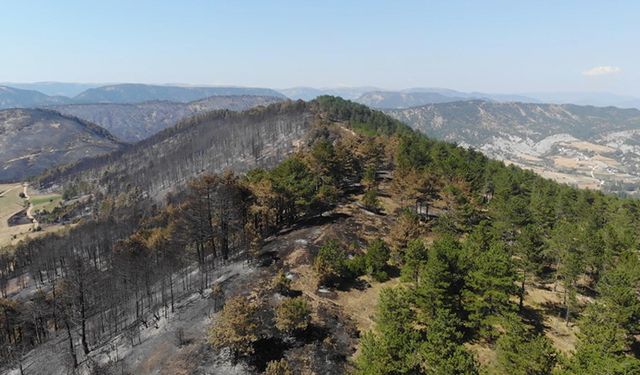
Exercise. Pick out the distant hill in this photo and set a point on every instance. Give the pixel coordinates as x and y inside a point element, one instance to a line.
<point>11,97</point>
<point>310,93</point>
<point>137,93</point>
<point>33,140</point>
<point>601,99</point>
<point>421,96</point>
<point>68,89</point>
<point>584,145</point>
<point>397,99</point>
<point>135,122</point>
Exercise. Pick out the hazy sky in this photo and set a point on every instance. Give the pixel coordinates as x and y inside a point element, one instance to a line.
<point>493,46</point>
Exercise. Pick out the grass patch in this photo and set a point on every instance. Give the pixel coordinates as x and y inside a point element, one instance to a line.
<point>46,202</point>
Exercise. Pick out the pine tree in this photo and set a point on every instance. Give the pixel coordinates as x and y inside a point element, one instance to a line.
<point>489,286</point>
<point>528,249</point>
<point>391,348</point>
<point>618,292</point>
<point>521,352</point>
<point>415,258</point>
<point>601,347</point>
<point>441,279</point>
<point>442,353</point>
<point>405,229</point>
<point>330,263</point>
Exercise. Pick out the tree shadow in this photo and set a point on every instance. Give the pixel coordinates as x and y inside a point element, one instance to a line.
<point>634,348</point>
<point>587,291</point>
<point>357,283</point>
<point>313,221</point>
<point>266,350</point>
<point>267,258</point>
<point>533,318</point>
<point>292,293</point>
<point>558,310</point>
<point>313,333</point>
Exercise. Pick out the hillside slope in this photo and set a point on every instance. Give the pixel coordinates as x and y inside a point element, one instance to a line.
<point>32,140</point>
<point>583,145</point>
<point>210,142</point>
<point>135,122</point>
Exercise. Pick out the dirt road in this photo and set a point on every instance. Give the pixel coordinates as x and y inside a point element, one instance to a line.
<point>36,225</point>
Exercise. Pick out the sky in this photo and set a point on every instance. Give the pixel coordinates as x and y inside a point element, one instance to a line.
<point>490,46</point>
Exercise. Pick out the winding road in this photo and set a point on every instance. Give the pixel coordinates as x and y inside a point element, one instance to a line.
<point>36,225</point>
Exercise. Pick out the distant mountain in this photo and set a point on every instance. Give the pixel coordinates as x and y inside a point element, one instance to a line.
<point>33,140</point>
<point>396,99</point>
<point>473,95</point>
<point>137,93</point>
<point>584,145</point>
<point>310,93</point>
<point>67,89</point>
<point>421,96</point>
<point>601,99</point>
<point>135,122</point>
<point>11,97</point>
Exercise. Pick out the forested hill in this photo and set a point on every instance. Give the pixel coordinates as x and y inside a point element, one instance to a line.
<point>426,257</point>
<point>209,142</point>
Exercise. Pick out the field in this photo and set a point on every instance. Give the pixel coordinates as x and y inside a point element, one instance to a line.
<point>11,204</point>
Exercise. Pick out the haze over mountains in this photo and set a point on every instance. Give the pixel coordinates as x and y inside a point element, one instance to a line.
<point>51,93</point>
<point>11,97</point>
<point>412,97</point>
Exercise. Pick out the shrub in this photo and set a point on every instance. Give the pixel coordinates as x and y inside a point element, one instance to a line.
<point>236,328</point>
<point>377,257</point>
<point>280,283</point>
<point>370,200</point>
<point>330,263</point>
<point>280,367</point>
<point>292,315</point>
